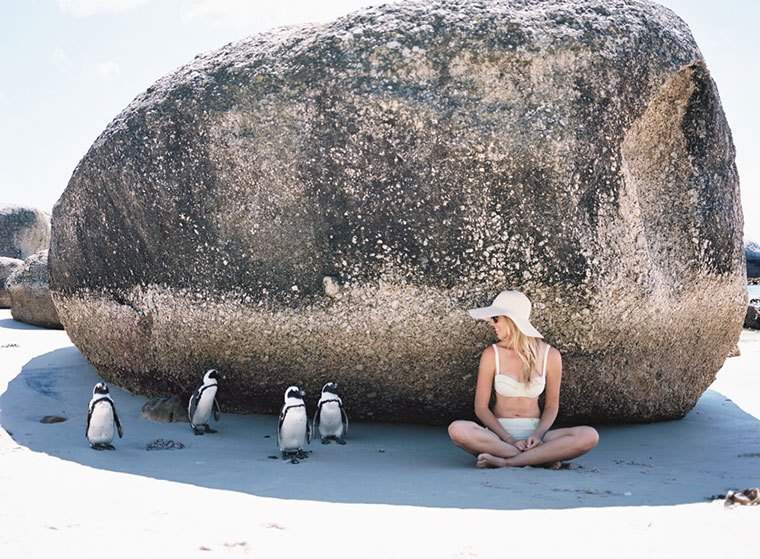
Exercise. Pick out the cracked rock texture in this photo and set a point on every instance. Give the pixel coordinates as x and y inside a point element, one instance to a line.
<point>324,203</point>
<point>29,291</point>
<point>23,231</point>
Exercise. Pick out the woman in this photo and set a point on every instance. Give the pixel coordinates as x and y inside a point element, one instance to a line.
<point>519,367</point>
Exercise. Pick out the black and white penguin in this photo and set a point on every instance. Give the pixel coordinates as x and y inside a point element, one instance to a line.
<point>203,403</point>
<point>101,418</point>
<point>330,419</point>
<point>293,430</point>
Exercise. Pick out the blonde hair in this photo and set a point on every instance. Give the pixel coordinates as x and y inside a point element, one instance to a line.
<point>526,348</point>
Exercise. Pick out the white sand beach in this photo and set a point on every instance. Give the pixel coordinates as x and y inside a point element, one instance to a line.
<point>392,491</point>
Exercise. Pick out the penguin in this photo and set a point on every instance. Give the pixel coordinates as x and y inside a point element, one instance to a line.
<point>101,417</point>
<point>330,419</point>
<point>203,403</point>
<point>293,430</point>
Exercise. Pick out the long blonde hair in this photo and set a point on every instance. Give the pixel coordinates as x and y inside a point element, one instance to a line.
<point>526,348</point>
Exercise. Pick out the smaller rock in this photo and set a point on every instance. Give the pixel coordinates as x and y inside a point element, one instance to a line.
<point>164,444</point>
<point>752,257</point>
<point>7,267</point>
<point>30,293</point>
<point>23,231</point>
<point>166,409</point>
<point>752,318</point>
<point>743,497</point>
<point>52,419</point>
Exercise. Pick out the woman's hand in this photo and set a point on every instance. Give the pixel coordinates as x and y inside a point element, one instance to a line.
<point>532,442</point>
<point>520,445</point>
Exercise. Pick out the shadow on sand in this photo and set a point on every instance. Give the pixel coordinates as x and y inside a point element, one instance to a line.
<point>716,447</point>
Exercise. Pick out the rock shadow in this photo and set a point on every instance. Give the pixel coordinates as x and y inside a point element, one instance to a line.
<point>715,448</point>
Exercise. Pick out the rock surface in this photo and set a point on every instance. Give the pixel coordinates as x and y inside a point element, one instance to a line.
<point>752,255</point>
<point>165,409</point>
<point>30,294</point>
<point>752,317</point>
<point>325,202</point>
<point>23,231</point>
<point>7,267</point>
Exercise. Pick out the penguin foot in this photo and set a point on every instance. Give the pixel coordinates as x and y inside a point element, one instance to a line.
<point>209,429</point>
<point>340,440</point>
<point>302,454</point>
<point>97,446</point>
<point>294,460</point>
<point>109,447</point>
<point>197,431</point>
<point>325,440</point>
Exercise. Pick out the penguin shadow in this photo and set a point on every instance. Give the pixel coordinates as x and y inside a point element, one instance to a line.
<point>714,448</point>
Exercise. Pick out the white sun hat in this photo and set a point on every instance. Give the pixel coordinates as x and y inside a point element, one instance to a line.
<point>513,304</point>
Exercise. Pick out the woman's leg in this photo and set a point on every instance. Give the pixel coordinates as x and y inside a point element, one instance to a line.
<point>476,439</point>
<point>559,444</point>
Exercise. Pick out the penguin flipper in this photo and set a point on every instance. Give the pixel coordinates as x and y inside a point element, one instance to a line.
<point>193,405</point>
<point>283,413</point>
<point>87,427</point>
<point>308,432</point>
<point>116,420</point>
<point>217,410</point>
<point>344,419</point>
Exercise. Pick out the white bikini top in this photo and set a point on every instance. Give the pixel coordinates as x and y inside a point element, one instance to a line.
<point>506,385</point>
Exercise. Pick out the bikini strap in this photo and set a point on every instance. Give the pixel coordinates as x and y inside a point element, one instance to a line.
<point>496,354</point>
<point>546,355</point>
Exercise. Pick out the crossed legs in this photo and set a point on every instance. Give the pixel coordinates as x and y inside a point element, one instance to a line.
<point>559,444</point>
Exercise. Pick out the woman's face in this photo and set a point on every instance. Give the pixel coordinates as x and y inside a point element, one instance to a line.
<point>502,327</point>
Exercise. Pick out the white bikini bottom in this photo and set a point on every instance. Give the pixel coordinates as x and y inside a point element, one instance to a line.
<point>519,427</point>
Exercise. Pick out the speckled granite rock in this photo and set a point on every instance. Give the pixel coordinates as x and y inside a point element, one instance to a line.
<point>7,267</point>
<point>324,202</point>
<point>30,295</point>
<point>23,231</point>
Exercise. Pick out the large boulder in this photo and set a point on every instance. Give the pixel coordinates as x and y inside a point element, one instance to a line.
<point>7,267</point>
<point>30,293</point>
<point>325,202</point>
<point>23,231</point>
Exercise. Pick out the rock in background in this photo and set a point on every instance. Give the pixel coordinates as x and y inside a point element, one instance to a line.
<point>23,231</point>
<point>752,255</point>
<point>752,317</point>
<point>325,202</point>
<point>7,267</point>
<point>165,409</point>
<point>30,294</point>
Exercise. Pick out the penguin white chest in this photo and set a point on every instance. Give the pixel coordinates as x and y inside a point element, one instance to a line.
<point>293,429</point>
<point>101,429</point>
<point>330,420</point>
<point>205,406</point>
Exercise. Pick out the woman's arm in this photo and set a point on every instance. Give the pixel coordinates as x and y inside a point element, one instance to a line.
<point>551,400</point>
<point>486,371</point>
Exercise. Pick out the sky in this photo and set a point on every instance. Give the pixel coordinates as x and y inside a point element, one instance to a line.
<point>68,67</point>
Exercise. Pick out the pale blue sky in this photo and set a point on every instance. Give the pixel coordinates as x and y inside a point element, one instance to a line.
<point>67,67</point>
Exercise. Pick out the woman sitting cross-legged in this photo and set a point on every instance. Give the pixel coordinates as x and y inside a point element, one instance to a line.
<point>518,367</point>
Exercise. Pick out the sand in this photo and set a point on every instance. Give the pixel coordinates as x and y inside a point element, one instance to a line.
<point>392,491</point>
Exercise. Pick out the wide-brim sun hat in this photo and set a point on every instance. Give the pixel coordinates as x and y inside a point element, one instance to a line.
<point>513,304</point>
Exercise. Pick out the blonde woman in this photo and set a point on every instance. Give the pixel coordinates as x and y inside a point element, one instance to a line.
<point>519,367</point>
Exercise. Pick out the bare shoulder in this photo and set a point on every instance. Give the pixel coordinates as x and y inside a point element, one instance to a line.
<point>554,359</point>
<point>488,356</point>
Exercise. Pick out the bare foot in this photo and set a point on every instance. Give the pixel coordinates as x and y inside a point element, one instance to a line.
<point>486,460</point>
